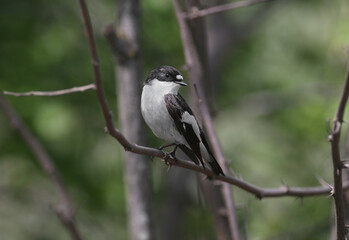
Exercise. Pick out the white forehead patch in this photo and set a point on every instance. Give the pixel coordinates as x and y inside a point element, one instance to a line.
<point>179,77</point>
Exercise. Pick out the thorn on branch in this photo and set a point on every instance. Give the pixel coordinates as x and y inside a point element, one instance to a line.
<point>325,184</point>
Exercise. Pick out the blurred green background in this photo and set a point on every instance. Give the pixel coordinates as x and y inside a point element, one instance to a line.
<point>274,89</point>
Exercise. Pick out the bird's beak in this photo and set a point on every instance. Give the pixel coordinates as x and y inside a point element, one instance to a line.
<point>182,83</point>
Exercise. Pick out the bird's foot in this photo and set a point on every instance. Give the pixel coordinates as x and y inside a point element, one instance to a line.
<point>162,147</point>
<point>171,155</point>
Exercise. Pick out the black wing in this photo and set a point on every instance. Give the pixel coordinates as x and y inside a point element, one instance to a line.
<point>176,106</point>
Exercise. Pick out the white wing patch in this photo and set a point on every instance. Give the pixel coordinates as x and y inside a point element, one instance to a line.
<point>190,119</point>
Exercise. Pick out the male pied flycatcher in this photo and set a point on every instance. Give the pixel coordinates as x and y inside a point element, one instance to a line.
<point>170,118</point>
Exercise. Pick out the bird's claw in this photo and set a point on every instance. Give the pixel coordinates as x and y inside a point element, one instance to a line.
<point>169,156</point>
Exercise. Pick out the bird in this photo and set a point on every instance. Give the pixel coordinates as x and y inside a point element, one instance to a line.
<point>170,118</point>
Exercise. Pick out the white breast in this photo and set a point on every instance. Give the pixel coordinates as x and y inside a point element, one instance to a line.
<point>155,113</point>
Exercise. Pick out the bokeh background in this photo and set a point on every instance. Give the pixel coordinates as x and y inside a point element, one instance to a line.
<point>275,85</point>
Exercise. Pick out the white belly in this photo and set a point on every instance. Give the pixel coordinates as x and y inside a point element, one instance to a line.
<point>155,114</point>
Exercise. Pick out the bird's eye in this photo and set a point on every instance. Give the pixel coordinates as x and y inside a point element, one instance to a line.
<point>167,75</point>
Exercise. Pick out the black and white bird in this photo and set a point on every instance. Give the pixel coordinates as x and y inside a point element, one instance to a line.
<point>170,118</point>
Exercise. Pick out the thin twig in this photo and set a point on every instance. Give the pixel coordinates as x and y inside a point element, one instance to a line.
<point>334,138</point>
<point>53,93</point>
<point>96,70</point>
<point>196,13</point>
<point>64,211</point>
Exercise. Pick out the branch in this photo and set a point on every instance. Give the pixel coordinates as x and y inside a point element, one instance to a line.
<point>96,71</point>
<point>282,191</point>
<point>196,13</point>
<point>64,211</point>
<point>53,93</point>
<point>334,138</point>
<point>343,101</point>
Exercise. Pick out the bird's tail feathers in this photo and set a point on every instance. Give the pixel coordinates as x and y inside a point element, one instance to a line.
<point>189,153</point>
<point>216,168</point>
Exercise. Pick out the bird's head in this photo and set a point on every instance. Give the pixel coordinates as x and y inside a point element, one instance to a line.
<point>165,77</point>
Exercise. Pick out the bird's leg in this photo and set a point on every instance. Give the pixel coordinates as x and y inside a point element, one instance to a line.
<point>173,152</point>
<point>166,146</point>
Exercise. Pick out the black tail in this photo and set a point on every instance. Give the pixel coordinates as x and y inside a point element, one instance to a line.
<point>213,163</point>
<point>189,153</point>
<point>216,168</point>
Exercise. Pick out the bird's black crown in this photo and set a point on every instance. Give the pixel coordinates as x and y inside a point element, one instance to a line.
<point>164,73</point>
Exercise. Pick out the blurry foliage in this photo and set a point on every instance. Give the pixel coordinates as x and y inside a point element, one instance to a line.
<point>274,93</point>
